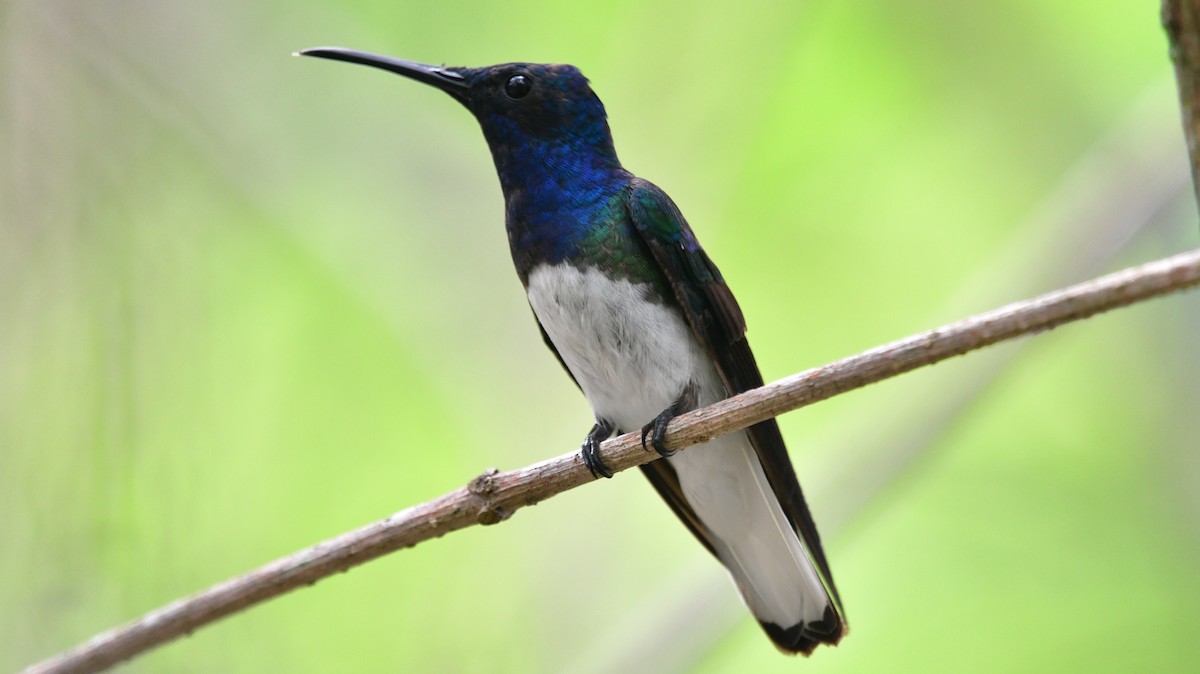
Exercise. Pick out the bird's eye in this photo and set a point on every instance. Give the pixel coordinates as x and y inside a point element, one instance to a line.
<point>517,86</point>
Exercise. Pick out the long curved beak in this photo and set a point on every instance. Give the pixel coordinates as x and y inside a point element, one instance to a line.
<point>448,80</point>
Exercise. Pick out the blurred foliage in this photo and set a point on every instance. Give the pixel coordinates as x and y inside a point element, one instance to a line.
<point>248,302</point>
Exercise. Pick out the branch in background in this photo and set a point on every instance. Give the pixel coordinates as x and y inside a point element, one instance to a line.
<point>1181,18</point>
<point>494,496</point>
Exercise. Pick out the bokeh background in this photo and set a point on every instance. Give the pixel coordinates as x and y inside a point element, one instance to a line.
<point>248,302</point>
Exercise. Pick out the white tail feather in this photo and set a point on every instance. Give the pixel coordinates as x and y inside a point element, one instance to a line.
<point>726,486</point>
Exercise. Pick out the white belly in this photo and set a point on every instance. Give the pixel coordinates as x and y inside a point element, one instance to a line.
<point>633,359</point>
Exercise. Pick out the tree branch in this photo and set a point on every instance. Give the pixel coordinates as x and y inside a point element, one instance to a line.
<point>1181,18</point>
<point>495,496</point>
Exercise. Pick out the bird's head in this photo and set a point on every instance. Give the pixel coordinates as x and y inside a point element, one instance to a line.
<point>514,102</point>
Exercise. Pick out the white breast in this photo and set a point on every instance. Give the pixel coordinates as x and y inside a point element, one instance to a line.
<point>632,357</point>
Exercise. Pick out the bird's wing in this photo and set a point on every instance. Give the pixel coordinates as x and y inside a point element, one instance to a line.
<point>717,322</point>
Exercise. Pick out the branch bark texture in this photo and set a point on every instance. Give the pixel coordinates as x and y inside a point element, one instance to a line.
<point>1181,18</point>
<point>495,496</point>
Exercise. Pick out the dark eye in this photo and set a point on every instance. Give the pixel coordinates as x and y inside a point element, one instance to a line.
<point>517,86</point>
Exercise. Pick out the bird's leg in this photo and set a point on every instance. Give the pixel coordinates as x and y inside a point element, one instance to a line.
<point>602,431</point>
<point>657,429</point>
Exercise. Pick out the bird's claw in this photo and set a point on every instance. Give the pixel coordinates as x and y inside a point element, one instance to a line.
<point>657,428</point>
<point>657,431</point>
<point>591,449</point>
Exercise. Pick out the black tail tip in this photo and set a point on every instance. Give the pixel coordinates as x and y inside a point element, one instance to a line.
<point>803,638</point>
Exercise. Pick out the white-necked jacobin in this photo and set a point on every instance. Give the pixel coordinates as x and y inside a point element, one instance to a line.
<point>642,320</point>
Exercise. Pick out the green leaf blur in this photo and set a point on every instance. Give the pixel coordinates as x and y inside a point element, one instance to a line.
<point>248,302</point>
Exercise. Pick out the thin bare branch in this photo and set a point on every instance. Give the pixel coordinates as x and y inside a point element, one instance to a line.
<point>1181,18</point>
<point>494,496</point>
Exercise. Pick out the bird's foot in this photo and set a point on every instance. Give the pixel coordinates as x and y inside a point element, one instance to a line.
<point>590,452</point>
<point>656,430</point>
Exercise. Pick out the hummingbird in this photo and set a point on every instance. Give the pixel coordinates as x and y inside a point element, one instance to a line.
<point>642,320</point>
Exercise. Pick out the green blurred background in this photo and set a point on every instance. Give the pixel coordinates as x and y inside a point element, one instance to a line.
<point>248,302</point>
